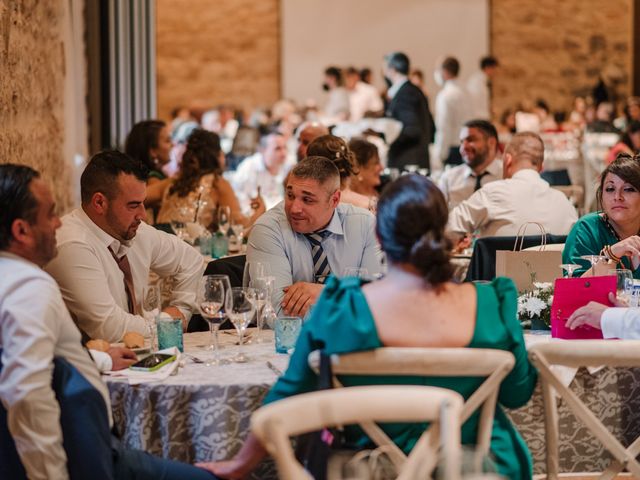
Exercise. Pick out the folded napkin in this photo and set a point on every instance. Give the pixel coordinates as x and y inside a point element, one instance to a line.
<point>136,377</point>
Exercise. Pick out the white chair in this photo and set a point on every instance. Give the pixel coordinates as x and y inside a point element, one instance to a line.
<point>495,365</point>
<point>575,354</point>
<point>273,424</point>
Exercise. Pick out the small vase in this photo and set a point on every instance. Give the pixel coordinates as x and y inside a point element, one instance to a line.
<point>538,324</point>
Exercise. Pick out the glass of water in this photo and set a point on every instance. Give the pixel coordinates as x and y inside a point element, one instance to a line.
<point>242,308</point>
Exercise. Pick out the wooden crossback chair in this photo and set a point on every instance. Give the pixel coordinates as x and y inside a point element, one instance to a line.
<point>273,424</point>
<point>583,353</point>
<point>495,365</point>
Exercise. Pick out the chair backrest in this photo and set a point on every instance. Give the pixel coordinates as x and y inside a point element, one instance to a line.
<point>552,247</point>
<point>273,424</point>
<point>556,177</point>
<point>494,365</point>
<point>85,428</point>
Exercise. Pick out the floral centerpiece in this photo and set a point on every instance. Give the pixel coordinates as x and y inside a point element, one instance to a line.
<point>534,307</point>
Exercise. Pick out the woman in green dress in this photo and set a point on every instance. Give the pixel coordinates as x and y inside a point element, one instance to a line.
<point>415,305</point>
<point>612,232</point>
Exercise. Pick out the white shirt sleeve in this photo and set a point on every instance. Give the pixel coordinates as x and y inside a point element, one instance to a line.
<point>621,323</point>
<point>29,333</point>
<point>472,214</point>
<point>102,360</point>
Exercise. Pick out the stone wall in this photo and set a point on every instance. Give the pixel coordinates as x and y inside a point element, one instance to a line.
<point>32,90</point>
<point>210,53</point>
<point>555,50</point>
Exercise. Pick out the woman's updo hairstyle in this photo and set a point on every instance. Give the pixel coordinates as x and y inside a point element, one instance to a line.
<point>202,156</point>
<point>335,149</point>
<point>412,215</point>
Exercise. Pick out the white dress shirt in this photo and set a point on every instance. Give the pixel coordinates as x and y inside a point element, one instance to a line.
<point>452,111</point>
<point>352,243</point>
<point>478,89</point>
<point>362,99</point>
<point>35,326</point>
<point>458,183</point>
<point>251,174</point>
<point>621,323</point>
<point>499,208</point>
<point>92,284</point>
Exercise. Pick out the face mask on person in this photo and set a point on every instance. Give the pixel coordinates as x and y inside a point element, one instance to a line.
<point>325,87</point>
<point>437,76</point>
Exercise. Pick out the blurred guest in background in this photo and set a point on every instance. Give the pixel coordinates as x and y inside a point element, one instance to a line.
<point>631,113</point>
<point>307,133</point>
<point>629,143</point>
<point>367,178</point>
<point>336,109</point>
<point>479,88</point>
<point>364,99</point>
<point>179,138</point>
<point>603,122</point>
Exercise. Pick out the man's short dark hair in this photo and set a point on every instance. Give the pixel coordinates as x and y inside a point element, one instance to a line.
<point>451,65</point>
<point>489,61</point>
<point>16,199</point>
<point>320,169</point>
<point>399,62</point>
<point>334,72</point>
<point>102,171</point>
<point>484,126</point>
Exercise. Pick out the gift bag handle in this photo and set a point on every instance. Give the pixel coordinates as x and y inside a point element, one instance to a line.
<point>523,230</point>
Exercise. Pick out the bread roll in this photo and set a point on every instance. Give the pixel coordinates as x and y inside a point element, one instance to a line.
<point>133,340</point>
<point>98,344</point>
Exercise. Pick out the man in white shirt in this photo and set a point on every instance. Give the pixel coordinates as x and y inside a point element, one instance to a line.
<point>479,150</point>
<point>479,90</point>
<point>336,108</point>
<point>262,173</point>
<point>307,132</point>
<point>452,111</point>
<point>106,252</point>
<point>311,235</point>
<point>499,208</point>
<point>615,322</point>
<point>35,327</point>
<point>364,99</point>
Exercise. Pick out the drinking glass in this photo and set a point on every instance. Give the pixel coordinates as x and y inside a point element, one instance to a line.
<point>179,223</point>
<point>224,219</point>
<point>242,308</point>
<point>151,306</point>
<point>211,297</point>
<point>254,270</point>
<point>624,284</point>
<point>261,297</point>
<point>286,333</point>
<point>593,259</point>
<point>569,268</point>
<point>355,272</point>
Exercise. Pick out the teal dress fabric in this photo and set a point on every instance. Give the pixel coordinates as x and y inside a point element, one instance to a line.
<point>157,174</point>
<point>587,237</point>
<point>341,322</point>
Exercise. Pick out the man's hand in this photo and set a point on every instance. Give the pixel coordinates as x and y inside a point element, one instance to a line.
<point>232,469</point>
<point>299,297</point>
<point>121,357</point>
<point>591,314</point>
<point>176,313</point>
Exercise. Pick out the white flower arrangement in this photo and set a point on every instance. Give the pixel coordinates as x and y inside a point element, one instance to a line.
<point>536,304</point>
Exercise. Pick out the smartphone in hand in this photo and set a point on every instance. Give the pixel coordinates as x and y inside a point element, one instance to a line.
<point>153,362</point>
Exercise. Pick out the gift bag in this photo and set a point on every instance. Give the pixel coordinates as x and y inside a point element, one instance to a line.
<point>569,294</point>
<point>527,266</point>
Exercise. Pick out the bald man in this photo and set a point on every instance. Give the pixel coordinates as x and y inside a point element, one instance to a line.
<point>307,133</point>
<point>500,207</point>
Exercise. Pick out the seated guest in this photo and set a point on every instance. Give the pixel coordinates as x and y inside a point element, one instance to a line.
<point>615,322</point>
<point>364,99</point>
<point>307,133</point>
<point>479,150</point>
<point>501,207</point>
<point>613,232</point>
<point>367,179</point>
<point>348,317</point>
<point>106,252</point>
<point>310,235</point>
<point>336,149</point>
<point>35,327</point>
<point>262,173</point>
<point>149,142</point>
<point>199,187</point>
<point>629,143</point>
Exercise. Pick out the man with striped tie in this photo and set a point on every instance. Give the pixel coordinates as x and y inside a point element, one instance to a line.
<point>312,235</point>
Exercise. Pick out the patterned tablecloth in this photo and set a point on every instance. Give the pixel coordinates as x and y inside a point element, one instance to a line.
<point>203,413</point>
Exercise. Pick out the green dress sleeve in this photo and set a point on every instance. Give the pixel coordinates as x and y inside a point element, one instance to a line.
<point>340,322</point>
<point>583,239</point>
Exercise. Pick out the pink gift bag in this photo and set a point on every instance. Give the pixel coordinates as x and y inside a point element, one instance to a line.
<point>569,294</point>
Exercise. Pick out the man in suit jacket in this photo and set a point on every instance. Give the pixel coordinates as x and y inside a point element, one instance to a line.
<point>408,105</point>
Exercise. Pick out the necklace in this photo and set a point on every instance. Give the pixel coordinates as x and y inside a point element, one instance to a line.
<point>605,219</point>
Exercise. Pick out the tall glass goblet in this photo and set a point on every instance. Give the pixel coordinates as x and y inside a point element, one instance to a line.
<point>569,268</point>
<point>151,306</point>
<point>241,310</point>
<point>593,260</point>
<point>254,270</point>
<point>211,297</point>
<point>224,218</point>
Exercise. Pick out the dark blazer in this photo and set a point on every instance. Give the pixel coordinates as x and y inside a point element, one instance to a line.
<point>411,107</point>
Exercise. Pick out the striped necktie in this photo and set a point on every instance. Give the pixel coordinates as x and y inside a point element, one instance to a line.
<point>321,268</point>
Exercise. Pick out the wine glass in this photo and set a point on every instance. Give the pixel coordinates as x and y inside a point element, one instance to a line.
<point>624,284</point>
<point>179,221</point>
<point>242,308</point>
<point>355,272</point>
<point>211,296</point>
<point>593,260</point>
<point>569,268</point>
<point>224,218</point>
<point>263,288</point>
<point>254,270</point>
<point>151,305</point>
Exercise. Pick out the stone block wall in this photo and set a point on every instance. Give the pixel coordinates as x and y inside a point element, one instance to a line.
<point>210,53</point>
<point>32,90</point>
<point>555,50</point>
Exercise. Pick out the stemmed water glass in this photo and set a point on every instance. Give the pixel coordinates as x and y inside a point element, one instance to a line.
<point>263,287</point>
<point>224,218</point>
<point>242,308</point>
<point>253,271</point>
<point>569,268</point>
<point>593,260</point>
<point>151,305</point>
<point>212,296</point>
